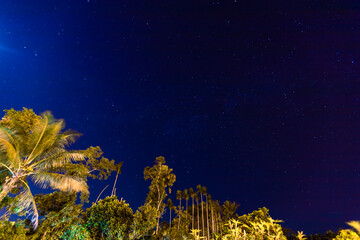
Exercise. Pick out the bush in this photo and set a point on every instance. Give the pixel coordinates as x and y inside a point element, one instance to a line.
<point>109,219</point>
<point>347,235</point>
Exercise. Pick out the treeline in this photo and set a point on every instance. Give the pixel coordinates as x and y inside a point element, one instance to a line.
<point>33,148</point>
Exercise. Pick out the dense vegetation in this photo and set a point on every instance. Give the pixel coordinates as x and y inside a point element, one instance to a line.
<point>33,147</point>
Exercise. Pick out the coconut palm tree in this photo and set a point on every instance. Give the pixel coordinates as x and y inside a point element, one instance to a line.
<point>192,195</point>
<point>37,150</point>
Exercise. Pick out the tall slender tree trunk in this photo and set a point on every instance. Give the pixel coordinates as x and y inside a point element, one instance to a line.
<point>192,213</point>
<point>198,213</point>
<point>202,215</point>
<point>157,225</point>
<point>186,208</point>
<point>170,217</point>
<point>207,217</point>
<point>212,218</point>
<point>113,190</point>
<point>216,222</point>
<point>179,215</point>
<point>220,225</point>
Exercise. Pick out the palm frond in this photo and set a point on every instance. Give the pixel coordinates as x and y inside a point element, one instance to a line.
<point>57,160</point>
<point>44,139</point>
<point>67,138</point>
<point>50,140</point>
<point>355,225</point>
<point>48,153</point>
<point>26,204</point>
<point>78,170</point>
<point>8,149</point>
<point>38,132</point>
<point>5,134</point>
<point>61,182</point>
<point>55,145</point>
<point>52,133</point>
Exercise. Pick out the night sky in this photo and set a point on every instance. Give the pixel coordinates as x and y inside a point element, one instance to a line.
<point>257,101</point>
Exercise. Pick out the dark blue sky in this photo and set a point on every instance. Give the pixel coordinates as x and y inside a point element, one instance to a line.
<point>259,102</point>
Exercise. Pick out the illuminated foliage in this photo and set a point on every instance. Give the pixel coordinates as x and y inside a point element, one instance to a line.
<point>34,147</point>
<point>180,229</point>
<point>350,234</point>
<point>229,210</point>
<point>255,225</point>
<point>162,179</point>
<point>12,230</point>
<point>347,235</point>
<point>145,220</point>
<point>62,217</point>
<point>21,121</point>
<point>301,235</point>
<point>76,232</point>
<point>54,202</point>
<point>98,166</point>
<point>58,225</point>
<point>109,219</point>
<point>195,234</point>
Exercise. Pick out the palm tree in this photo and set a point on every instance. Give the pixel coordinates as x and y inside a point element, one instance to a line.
<point>204,191</point>
<point>186,197</point>
<point>200,189</point>
<point>37,150</point>
<point>179,197</point>
<point>170,205</point>
<point>192,195</point>
<point>197,207</point>
<point>218,208</point>
<point>212,213</point>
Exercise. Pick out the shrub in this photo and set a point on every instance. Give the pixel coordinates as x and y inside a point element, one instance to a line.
<point>109,219</point>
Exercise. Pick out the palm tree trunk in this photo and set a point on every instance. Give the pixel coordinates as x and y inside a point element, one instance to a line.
<point>170,218</point>
<point>192,213</point>
<point>186,209</point>
<point>179,215</point>
<point>220,225</point>
<point>202,215</point>
<point>216,223</point>
<point>212,218</point>
<point>198,214</point>
<point>207,217</point>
